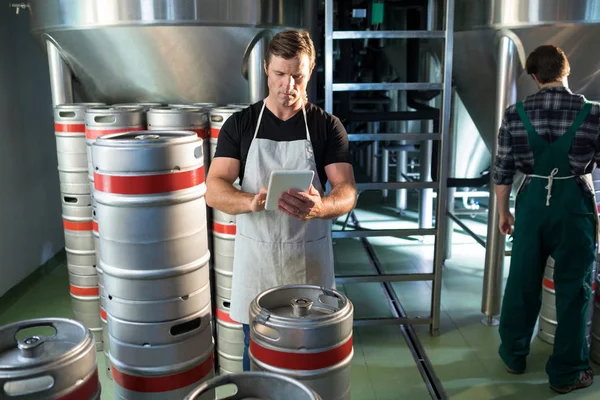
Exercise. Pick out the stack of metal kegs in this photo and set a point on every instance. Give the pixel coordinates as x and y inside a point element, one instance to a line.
<point>230,336</point>
<point>101,121</point>
<point>76,199</point>
<point>154,257</point>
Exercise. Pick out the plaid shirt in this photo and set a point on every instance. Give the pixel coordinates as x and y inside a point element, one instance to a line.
<point>551,110</point>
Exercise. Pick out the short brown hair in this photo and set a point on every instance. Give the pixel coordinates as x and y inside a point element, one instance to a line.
<point>548,63</point>
<point>289,44</point>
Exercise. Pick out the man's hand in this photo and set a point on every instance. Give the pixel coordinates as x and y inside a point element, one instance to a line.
<point>301,205</point>
<point>259,200</point>
<point>507,221</point>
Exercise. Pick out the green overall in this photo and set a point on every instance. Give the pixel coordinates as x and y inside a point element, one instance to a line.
<point>554,217</point>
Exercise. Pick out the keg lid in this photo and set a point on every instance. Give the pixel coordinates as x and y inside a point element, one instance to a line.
<point>145,106</point>
<point>107,110</point>
<point>301,301</point>
<point>35,350</point>
<point>147,137</point>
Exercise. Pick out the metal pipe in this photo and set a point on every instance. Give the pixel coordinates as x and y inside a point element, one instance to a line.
<point>442,173</point>
<point>329,56</point>
<point>61,81</point>
<point>257,80</point>
<point>426,195</point>
<point>375,155</point>
<point>506,91</point>
<point>452,154</point>
<point>385,171</point>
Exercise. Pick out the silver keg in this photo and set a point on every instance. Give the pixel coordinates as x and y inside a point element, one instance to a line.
<point>69,129</point>
<point>218,116</point>
<point>304,332</point>
<point>58,366</point>
<point>182,119</point>
<point>257,386</point>
<point>595,336</point>
<point>548,317</point>
<point>77,214</point>
<point>230,339</point>
<point>206,106</point>
<point>101,121</point>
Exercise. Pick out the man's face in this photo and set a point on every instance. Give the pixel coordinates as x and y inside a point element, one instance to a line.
<point>288,79</point>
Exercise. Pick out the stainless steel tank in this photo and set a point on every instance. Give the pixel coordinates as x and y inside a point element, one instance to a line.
<point>61,365</point>
<point>257,386</point>
<point>492,40</point>
<point>304,332</point>
<point>167,51</point>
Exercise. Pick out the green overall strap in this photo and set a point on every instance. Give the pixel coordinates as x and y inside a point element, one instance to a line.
<point>535,141</point>
<point>570,134</point>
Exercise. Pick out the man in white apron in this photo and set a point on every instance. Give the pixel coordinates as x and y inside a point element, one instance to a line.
<point>291,245</point>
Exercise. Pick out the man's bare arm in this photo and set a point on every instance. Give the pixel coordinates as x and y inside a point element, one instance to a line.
<point>342,197</point>
<point>222,195</point>
<point>503,195</point>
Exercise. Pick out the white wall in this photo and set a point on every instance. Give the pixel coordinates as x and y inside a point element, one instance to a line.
<point>30,213</point>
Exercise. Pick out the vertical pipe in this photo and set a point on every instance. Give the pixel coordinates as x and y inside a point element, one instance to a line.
<point>385,170</point>
<point>452,155</point>
<point>257,80</point>
<point>442,197</point>
<point>328,56</point>
<point>402,157</point>
<point>426,196</point>
<point>61,83</point>
<point>506,80</point>
<point>375,154</point>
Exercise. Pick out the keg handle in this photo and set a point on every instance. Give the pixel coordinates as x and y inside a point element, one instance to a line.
<point>329,293</point>
<point>268,333</point>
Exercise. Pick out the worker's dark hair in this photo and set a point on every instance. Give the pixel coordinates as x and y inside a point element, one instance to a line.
<point>289,44</point>
<point>548,63</point>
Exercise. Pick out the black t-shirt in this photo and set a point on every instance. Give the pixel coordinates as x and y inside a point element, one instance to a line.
<point>327,134</point>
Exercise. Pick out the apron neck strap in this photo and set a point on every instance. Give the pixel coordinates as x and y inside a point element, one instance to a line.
<point>261,115</point>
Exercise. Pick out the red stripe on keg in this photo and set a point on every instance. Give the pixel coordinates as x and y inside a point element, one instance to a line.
<point>149,184</point>
<point>225,317</point>
<point>95,226</point>
<point>163,383</point>
<point>95,133</point>
<point>224,229</point>
<point>214,132</point>
<point>301,361</point>
<point>102,314</point>
<point>86,390</point>
<point>78,226</point>
<point>71,128</point>
<point>201,132</point>
<point>548,283</point>
<point>84,291</point>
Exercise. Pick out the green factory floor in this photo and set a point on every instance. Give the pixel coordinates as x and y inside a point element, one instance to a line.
<point>464,355</point>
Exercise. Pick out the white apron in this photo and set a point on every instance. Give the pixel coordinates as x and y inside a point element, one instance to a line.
<point>271,248</point>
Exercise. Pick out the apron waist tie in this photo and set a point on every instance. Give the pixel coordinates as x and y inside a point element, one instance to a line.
<point>551,179</point>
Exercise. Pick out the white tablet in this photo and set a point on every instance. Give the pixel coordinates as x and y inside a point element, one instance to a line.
<point>282,181</point>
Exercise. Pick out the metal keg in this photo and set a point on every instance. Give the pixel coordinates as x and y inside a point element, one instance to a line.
<point>100,121</point>
<point>69,129</point>
<point>304,332</point>
<point>218,116</point>
<point>60,366</point>
<point>76,212</point>
<point>85,302</point>
<point>206,106</point>
<point>548,319</point>
<point>257,386</point>
<point>595,336</point>
<point>104,321</point>
<point>230,339</point>
<point>145,375</point>
<point>96,235</point>
<point>150,202</point>
<point>185,119</point>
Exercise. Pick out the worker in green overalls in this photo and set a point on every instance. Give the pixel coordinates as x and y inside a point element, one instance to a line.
<point>552,137</point>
